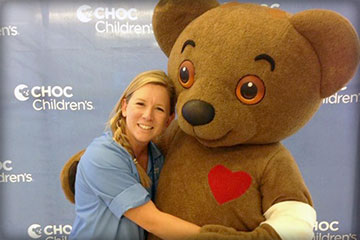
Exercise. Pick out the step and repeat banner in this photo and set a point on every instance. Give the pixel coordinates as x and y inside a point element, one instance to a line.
<point>63,66</point>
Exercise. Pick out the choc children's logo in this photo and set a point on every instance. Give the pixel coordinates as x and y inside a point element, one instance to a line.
<point>343,96</point>
<point>115,21</point>
<point>331,230</point>
<point>49,232</point>
<point>9,175</point>
<point>51,98</point>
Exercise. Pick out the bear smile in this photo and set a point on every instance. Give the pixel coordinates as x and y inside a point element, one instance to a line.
<point>210,140</point>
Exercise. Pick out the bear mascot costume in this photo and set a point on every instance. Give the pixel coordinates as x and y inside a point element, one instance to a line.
<point>246,77</point>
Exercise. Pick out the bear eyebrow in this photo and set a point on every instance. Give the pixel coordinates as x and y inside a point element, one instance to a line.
<point>187,42</point>
<point>267,58</point>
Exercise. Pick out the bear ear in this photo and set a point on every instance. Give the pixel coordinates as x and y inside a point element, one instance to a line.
<point>172,16</point>
<point>336,43</point>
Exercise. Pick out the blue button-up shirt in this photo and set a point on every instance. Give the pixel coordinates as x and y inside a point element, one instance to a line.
<point>107,185</point>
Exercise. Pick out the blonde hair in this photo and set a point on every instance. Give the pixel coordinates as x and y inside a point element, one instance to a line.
<point>117,123</point>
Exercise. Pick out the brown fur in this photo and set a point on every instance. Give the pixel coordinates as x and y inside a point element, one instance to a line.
<point>68,176</point>
<point>311,62</point>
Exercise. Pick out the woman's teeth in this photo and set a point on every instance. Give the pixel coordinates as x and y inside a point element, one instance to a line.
<point>144,127</point>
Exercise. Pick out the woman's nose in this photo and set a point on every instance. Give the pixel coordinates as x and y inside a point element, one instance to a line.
<point>148,114</point>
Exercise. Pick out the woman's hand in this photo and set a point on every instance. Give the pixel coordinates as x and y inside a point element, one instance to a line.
<point>161,224</point>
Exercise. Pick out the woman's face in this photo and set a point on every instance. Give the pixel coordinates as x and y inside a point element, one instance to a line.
<point>146,113</point>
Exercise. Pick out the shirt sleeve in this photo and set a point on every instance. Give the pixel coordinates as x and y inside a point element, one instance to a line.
<point>107,173</point>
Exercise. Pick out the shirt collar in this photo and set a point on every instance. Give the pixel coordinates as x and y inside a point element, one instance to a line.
<point>155,151</point>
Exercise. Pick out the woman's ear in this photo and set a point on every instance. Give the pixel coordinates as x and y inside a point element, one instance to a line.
<point>171,118</point>
<point>123,107</point>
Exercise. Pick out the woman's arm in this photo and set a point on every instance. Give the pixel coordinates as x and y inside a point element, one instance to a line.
<point>161,224</point>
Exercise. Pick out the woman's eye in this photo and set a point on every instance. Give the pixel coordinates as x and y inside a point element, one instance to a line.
<point>140,104</point>
<point>161,109</point>
<point>186,74</point>
<point>250,90</point>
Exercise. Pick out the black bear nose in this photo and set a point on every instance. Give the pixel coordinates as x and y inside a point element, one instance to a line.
<point>198,112</point>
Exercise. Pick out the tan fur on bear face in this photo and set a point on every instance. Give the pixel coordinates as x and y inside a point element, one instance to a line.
<point>224,53</point>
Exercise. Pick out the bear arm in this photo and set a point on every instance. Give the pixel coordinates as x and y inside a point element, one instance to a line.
<point>288,220</point>
<point>281,180</point>
<point>291,220</point>
<point>218,232</point>
<point>164,140</point>
<point>68,176</point>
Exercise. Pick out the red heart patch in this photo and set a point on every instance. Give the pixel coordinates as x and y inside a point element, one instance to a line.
<point>226,185</point>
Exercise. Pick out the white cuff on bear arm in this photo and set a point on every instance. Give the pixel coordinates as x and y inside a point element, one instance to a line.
<point>291,220</point>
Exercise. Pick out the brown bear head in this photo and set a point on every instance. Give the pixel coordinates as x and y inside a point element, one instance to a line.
<point>248,74</point>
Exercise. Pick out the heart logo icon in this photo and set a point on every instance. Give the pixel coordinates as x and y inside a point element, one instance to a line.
<point>226,185</point>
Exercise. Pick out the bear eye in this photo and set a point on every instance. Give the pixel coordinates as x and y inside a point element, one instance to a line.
<point>250,90</point>
<point>186,74</point>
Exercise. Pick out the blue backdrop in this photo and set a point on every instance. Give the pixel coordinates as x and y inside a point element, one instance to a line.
<point>64,64</point>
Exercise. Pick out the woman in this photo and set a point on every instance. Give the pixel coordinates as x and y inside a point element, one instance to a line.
<point>118,173</point>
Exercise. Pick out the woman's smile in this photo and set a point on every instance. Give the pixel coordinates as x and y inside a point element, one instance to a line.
<point>145,127</point>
